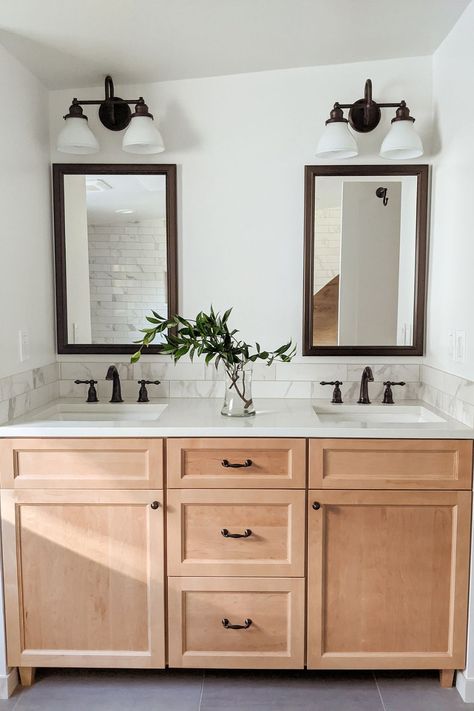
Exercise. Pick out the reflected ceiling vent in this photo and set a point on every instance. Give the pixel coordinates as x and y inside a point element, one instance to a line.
<point>97,185</point>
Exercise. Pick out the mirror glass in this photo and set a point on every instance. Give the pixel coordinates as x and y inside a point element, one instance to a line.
<point>116,242</point>
<point>364,254</point>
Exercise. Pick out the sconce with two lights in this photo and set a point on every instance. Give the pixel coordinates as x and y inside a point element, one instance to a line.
<point>401,142</point>
<point>142,136</point>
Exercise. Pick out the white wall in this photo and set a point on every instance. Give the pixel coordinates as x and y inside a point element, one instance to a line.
<point>451,278</point>
<point>26,270</point>
<point>370,251</point>
<point>77,259</point>
<point>241,143</point>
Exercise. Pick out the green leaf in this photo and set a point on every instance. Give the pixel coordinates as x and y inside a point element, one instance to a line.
<point>135,357</point>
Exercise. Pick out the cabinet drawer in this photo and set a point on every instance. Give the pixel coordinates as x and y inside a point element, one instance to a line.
<point>271,611</point>
<point>261,463</point>
<point>202,526</point>
<point>390,464</point>
<point>81,463</point>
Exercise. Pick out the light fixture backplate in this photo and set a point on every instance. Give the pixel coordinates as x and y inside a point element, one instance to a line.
<point>115,115</point>
<point>364,115</point>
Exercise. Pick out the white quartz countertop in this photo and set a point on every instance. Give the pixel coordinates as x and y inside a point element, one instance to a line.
<point>196,417</point>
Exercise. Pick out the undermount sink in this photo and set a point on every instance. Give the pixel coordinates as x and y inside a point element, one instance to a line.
<point>102,412</point>
<point>373,415</point>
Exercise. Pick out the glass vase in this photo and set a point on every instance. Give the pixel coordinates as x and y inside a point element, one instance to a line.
<point>238,391</point>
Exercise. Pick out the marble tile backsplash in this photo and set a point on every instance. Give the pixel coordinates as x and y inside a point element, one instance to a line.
<point>449,393</point>
<point>28,390</point>
<point>280,380</point>
<point>34,388</point>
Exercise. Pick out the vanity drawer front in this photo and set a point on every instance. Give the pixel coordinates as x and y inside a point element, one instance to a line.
<point>78,463</point>
<point>265,463</point>
<point>390,464</point>
<point>273,606</point>
<point>270,525</point>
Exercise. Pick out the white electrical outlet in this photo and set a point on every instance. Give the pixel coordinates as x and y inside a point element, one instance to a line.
<point>24,345</point>
<point>460,346</point>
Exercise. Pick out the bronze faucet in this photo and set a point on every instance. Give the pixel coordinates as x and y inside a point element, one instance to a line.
<point>113,374</point>
<point>367,377</point>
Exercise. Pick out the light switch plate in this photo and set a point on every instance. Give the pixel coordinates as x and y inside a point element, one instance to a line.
<point>24,345</point>
<point>460,346</point>
<point>451,349</point>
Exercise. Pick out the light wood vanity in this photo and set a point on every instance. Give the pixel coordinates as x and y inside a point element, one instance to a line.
<point>325,553</point>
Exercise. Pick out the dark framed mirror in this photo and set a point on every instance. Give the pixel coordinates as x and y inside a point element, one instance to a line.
<point>365,260</point>
<point>115,238</point>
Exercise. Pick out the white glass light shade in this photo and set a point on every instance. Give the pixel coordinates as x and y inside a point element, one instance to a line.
<point>76,137</point>
<point>402,142</point>
<point>142,136</point>
<point>337,141</point>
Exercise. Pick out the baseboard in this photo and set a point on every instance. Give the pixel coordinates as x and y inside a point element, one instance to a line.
<point>8,683</point>
<point>465,687</point>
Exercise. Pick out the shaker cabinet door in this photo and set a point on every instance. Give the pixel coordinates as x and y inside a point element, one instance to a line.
<point>84,578</point>
<point>388,579</point>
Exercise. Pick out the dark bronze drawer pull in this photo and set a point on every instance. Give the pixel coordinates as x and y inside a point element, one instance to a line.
<point>155,505</point>
<point>316,505</point>
<point>226,463</point>
<point>228,626</point>
<point>245,534</point>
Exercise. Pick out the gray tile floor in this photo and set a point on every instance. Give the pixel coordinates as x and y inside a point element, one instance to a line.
<point>80,690</point>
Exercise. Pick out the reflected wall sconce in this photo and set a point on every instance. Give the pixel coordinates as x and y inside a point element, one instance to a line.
<point>382,194</point>
<point>142,135</point>
<point>401,142</point>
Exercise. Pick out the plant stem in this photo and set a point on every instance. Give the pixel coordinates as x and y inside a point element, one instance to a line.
<point>234,377</point>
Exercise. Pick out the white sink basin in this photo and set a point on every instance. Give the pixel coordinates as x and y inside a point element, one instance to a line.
<point>95,412</point>
<point>374,415</point>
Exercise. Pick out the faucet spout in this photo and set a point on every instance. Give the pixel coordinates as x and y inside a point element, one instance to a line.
<point>113,374</point>
<point>367,377</point>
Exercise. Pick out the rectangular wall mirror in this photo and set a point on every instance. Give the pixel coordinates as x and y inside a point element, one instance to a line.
<point>365,259</point>
<point>116,256</point>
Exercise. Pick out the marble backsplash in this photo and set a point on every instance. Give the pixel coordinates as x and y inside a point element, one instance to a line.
<point>28,390</point>
<point>449,393</point>
<point>280,380</point>
<point>34,388</point>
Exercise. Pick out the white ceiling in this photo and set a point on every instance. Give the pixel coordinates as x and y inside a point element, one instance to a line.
<point>73,43</point>
<point>144,195</point>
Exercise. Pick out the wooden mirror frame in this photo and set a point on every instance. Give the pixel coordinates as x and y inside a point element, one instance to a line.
<point>421,173</point>
<point>59,171</point>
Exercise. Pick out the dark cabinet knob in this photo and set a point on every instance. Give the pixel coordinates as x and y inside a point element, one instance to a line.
<point>155,504</point>
<point>316,505</point>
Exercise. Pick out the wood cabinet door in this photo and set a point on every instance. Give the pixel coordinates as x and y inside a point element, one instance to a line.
<point>84,578</point>
<point>388,579</point>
